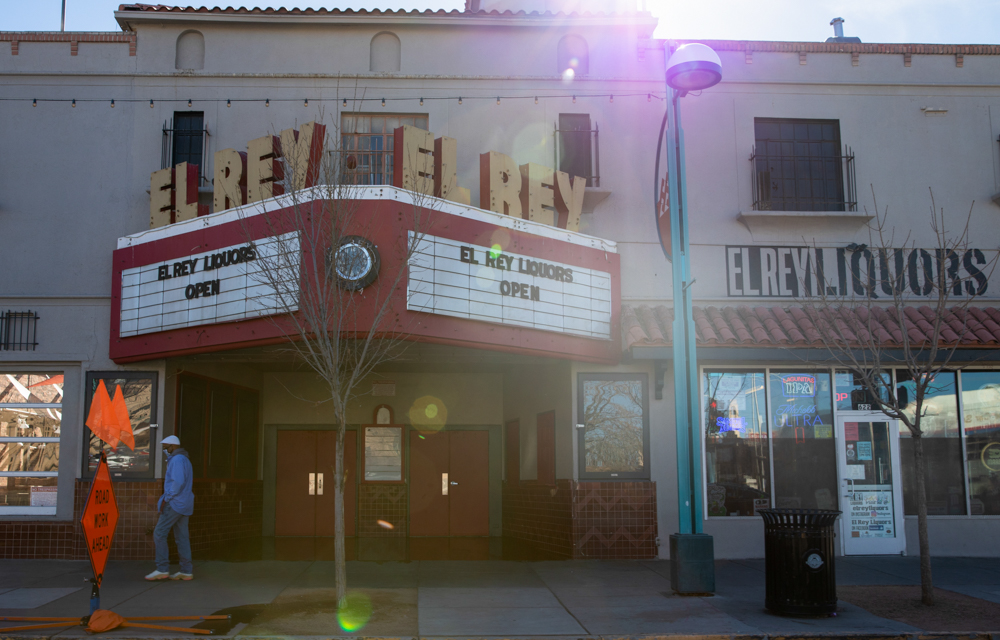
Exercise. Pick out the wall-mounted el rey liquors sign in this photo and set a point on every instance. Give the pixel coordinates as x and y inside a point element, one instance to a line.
<point>810,272</point>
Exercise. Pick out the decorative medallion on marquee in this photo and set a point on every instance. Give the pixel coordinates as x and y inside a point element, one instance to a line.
<point>356,262</point>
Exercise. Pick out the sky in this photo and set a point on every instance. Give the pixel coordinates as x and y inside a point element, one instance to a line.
<point>928,21</point>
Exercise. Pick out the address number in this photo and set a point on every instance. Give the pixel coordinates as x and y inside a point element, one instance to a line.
<point>864,407</point>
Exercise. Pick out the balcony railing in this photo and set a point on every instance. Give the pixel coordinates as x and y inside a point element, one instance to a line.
<point>804,183</point>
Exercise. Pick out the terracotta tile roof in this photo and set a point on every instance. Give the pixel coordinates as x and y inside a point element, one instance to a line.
<point>164,8</point>
<point>745,326</point>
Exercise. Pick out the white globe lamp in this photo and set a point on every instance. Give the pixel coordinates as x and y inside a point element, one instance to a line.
<point>693,67</point>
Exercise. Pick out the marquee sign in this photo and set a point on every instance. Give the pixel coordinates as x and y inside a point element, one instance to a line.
<point>205,288</point>
<point>464,280</point>
<point>799,272</point>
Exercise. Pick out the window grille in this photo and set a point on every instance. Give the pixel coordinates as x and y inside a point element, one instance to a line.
<point>185,139</point>
<point>798,165</point>
<point>18,331</point>
<point>366,145</point>
<point>578,147</point>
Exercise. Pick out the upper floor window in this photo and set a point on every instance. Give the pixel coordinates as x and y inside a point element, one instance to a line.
<point>578,146</point>
<point>573,57</point>
<point>800,165</point>
<point>190,53</point>
<point>30,424</point>
<point>385,52</point>
<point>366,143</point>
<point>184,140</point>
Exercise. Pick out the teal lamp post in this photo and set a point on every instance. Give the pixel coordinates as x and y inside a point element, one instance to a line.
<point>691,67</point>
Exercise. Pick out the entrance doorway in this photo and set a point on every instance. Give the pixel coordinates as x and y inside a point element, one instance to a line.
<point>868,460</point>
<point>304,491</point>
<point>449,483</point>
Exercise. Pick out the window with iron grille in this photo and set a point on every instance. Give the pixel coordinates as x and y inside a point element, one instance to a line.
<point>185,139</point>
<point>800,165</point>
<point>18,331</point>
<point>366,144</point>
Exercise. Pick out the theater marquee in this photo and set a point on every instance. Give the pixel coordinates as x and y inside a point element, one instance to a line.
<point>463,280</point>
<point>205,288</point>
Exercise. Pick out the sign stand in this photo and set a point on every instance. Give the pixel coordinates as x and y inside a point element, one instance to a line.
<point>99,520</point>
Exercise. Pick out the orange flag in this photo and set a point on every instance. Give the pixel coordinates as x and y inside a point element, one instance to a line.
<point>121,415</point>
<point>102,420</point>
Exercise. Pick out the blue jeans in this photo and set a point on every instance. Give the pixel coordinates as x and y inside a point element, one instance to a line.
<point>170,519</point>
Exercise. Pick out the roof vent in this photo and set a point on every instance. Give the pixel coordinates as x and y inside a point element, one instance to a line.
<point>838,32</point>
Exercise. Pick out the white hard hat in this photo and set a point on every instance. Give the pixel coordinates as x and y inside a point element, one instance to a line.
<point>171,440</point>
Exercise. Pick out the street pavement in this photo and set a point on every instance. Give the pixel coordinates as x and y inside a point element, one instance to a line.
<point>487,598</point>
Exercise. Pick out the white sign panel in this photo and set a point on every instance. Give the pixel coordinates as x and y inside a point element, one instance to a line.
<point>206,288</point>
<point>457,279</point>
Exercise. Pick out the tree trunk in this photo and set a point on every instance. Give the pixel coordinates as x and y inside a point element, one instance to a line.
<point>926,581</point>
<point>339,560</point>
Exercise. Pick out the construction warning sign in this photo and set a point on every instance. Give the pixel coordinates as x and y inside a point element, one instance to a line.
<point>100,517</point>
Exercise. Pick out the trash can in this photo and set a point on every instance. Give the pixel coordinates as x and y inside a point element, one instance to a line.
<point>798,561</point>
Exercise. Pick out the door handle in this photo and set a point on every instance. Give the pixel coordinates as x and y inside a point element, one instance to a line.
<point>312,484</point>
<point>319,484</point>
<point>454,484</point>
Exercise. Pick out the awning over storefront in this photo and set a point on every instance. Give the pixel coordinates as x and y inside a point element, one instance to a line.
<point>648,329</point>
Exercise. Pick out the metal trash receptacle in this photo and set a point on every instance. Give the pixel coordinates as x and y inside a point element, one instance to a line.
<point>798,561</point>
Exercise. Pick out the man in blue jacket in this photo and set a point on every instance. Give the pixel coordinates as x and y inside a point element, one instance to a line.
<point>176,505</point>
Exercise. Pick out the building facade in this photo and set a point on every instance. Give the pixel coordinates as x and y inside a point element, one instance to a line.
<point>530,403</point>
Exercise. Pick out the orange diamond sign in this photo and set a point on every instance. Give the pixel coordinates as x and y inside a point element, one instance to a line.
<point>100,517</point>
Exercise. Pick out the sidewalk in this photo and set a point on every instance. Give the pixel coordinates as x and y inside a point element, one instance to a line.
<point>575,599</point>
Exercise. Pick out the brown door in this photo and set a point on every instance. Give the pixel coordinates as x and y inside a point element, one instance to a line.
<point>428,467</point>
<point>294,506</point>
<point>449,483</point>
<point>326,458</point>
<point>469,477</point>
<point>304,488</point>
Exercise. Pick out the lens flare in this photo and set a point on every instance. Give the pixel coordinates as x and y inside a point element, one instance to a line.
<point>568,76</point>
<point>428,414</point>
<point>385,525</point>
<point>355,614</point>
<point>485,277</point>
<point>495,250</point>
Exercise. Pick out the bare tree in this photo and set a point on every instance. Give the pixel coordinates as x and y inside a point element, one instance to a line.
<point>334,295</point>
<point>869,331</point>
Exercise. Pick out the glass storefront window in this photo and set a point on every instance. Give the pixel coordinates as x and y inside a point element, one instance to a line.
<point>805,455</point>
<point>139,391</point>
<point>942,446</point>
<point>614,440</point>
<point>30,424</point>
<point>737,461</point>
<point>851,394</point>
<point>981,409</point>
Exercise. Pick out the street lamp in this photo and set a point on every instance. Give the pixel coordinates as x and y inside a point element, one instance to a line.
<point>691,67</point>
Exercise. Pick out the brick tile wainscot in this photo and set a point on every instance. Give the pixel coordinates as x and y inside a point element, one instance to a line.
<point>224,511</point>
<point>584,519</point>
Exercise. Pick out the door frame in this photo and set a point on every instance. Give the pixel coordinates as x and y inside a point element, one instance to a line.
<point>495,481</point>
<point>270,476</point>
<point>897,545</point>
